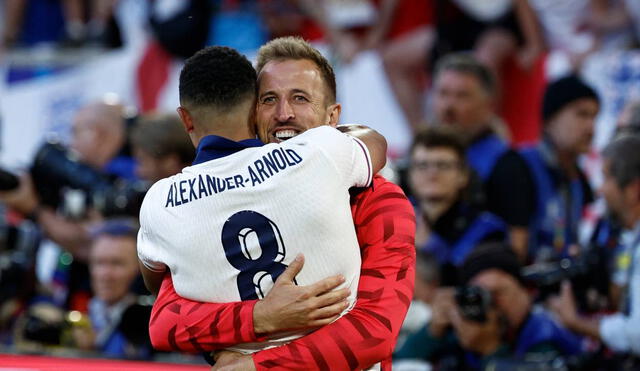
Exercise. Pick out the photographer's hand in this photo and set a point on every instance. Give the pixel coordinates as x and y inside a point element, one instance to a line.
<point>483,338</point>
<point>564,305</point>
<point>443,305</point>
<point>22,199</point>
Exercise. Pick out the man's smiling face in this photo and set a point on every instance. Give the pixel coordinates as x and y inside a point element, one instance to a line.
<point>292,97</point>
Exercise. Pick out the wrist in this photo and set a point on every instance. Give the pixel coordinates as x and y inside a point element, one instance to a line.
<point>260,319</point>
<point>436,330</point>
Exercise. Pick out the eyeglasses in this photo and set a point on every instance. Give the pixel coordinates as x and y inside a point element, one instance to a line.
<point>440,165</point>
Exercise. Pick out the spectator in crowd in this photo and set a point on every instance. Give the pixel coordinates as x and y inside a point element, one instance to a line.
<point>448,226</point>
<point>621,190</point>
<point>118,323</point>
<point>160,146</point>
<point>77,30</point>
<point>573,29</point>
<point>100,135</point>
<point>508,28</point>
<point>561,188</point>
<point>400,30</point>
<point>464,96</point>
<point>512,330</point>
<point>629,119</point>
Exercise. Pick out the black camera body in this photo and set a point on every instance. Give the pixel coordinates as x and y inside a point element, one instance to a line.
<point>63,182</point>
<point>473,302</point>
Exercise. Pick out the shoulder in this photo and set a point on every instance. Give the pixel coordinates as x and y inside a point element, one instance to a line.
<point>511,166</point>
<point>511,159</point>
<point>156,192</point>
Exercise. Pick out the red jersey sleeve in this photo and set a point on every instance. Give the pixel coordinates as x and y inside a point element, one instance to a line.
<point>385,225</point>
<point>179,324</point>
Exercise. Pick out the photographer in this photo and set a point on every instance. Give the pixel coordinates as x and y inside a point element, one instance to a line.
<point>99,141</point>
<point>621,190</point>
<point>569,109</point>
<point>489,322</point>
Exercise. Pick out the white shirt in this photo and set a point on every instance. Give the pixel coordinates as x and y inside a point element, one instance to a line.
<point>223,225</point>
<point>621,332</point>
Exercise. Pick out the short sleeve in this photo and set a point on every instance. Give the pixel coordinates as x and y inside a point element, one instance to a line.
<point>349,154</point>
<point>149,251</point>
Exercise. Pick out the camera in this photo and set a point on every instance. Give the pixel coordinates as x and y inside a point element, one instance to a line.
<point>473,302</point>
<point>18,246</point>
<point>587,272</point>
<point>62,182</point>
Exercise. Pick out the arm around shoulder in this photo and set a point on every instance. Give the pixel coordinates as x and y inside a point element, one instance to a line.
<point>374,141</point>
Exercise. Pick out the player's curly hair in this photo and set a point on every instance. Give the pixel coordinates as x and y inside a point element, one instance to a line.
<point>218,77</point>
<point>295,48</point>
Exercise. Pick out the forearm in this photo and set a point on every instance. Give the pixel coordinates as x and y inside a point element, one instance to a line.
<point>179,324</point>
<point>529,24</point>
<point>374,141</point>
<point>380,29</point>
<point>585,326</point>
<point>72,236</point>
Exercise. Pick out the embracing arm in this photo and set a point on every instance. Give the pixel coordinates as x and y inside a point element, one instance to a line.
<point>181,324</point>
<point>385,224</point>
<point>375,142</point>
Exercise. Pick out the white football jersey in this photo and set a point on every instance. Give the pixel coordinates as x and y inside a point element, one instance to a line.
<point>226,227</point>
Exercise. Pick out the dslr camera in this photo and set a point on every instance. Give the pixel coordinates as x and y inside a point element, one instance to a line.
<point>62,182</point>
<point>473,302</point>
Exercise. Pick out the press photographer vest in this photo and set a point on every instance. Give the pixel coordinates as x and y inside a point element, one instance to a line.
<point>455,253</point>
<point>555,221</point>
<point>483,154</point>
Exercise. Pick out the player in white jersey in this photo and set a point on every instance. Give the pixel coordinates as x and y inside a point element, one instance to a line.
<point>229,225</point>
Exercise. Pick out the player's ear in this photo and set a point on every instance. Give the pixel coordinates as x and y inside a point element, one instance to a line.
<point>334,114</point>
<point>185,117</point>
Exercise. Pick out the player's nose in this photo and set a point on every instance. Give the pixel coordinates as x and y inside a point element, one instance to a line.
<point>284,111</point>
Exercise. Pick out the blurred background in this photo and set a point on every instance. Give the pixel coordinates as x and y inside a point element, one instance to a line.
<point>88,92</point>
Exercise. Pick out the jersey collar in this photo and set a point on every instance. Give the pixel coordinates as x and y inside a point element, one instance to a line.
<point>213,147</point>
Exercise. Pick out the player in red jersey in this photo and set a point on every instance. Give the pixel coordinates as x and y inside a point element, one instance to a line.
<point>296,93</point>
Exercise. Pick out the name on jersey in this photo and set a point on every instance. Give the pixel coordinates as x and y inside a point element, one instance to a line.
<point>205,185</point>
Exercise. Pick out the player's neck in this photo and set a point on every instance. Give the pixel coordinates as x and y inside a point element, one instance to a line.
<point>233,126</point>
<point>234,133</point>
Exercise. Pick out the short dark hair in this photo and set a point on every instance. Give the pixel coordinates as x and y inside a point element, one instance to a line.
<point>465,62</point>
<point>491,255</point>
<point>623,154</point>
<point>217,76</point>
<point>441,136</point>
<point>296,48</point>
<point>162,134</point>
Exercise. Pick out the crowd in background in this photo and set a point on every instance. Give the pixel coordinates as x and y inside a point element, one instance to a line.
<point>519,264</point>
